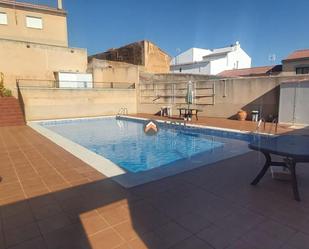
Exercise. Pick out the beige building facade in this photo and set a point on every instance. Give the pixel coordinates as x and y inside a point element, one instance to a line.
<point>296,63</point>
<point>33,23</point>
<point>34,44</point>
<point>31,62</point>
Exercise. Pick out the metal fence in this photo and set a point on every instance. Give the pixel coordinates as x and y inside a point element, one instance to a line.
<point>159,92</point>
<point>39,83</point>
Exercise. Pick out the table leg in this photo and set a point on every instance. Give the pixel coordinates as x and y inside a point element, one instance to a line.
<point>292,166</point>
<point>196,115</point>
<point>190,114</point>
<point>264,169</point>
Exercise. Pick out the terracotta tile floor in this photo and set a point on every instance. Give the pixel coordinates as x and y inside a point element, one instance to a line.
<point>50,199</point>
<point>223,123</point>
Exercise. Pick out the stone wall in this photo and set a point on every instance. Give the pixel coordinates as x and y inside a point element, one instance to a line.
<point>142,53</point>
<point>113,71</point>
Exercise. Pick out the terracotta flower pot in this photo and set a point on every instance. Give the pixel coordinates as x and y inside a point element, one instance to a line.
<point>241,115</point>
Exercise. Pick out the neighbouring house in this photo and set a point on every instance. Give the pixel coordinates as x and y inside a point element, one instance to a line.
<point>144,53</point>
<point>113,73</point>
<point>210,62</point>
<point>34,43</point>
<point>252,72</point>
<point>296,63</point>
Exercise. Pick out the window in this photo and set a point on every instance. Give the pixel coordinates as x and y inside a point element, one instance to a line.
<point>302,70</point>
<point>34,22</point>
<point>3,18</point>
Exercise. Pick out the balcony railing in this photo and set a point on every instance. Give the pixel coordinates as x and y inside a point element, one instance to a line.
<point>38,83</point>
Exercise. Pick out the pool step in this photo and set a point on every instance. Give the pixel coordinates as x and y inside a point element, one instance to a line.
<point>10,112</point>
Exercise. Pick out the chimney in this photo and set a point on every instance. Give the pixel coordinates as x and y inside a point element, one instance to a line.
<point>60,4</point>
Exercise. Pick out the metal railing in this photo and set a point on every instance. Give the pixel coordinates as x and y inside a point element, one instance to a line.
<point>174,92</point>
<point>39,83</point>
<point>273,124</point>
<point>258,125</point>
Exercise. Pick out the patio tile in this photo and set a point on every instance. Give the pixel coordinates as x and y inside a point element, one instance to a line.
<point>214,203</point>
<point>106,239</point>
<point>193,222</point>
<point>116,215</point>
<point>37,243</point>
<point>17,235</point>
<point>42,212</point>
<point>148,241</point>
<point>192,243</point>
<point>18,220</point>
<point>240,244</point>
<point>127,230</point>
<point>298,241</point>
<point>72,236</point>
<point>172,233</point>
<point>93,223</point>
<point>53,223</point>
<point>269,235</point>
<point>15,208</point>
<point>221,236</point>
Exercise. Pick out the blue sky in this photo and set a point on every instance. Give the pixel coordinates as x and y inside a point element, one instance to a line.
<point>263,27</point>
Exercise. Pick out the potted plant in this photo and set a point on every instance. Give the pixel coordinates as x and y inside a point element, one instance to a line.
<point>4,92</point>
<point>242,115</point>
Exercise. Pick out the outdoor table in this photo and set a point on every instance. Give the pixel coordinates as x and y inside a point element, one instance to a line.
<point>188,112</point>
<point>294,149</point>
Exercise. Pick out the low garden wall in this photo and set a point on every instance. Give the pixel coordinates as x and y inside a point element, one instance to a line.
<point>55,103</point>
<point>216,97</point>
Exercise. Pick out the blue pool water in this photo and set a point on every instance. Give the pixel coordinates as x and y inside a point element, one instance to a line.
<point>124,142</point>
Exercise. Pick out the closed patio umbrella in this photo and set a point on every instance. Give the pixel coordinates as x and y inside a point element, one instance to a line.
<point>189,97</point>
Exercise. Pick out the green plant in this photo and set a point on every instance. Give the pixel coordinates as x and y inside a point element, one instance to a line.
<point>3,91</point>
<point>7,93</point>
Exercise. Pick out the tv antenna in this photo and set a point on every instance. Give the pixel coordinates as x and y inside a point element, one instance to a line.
<point>272,58</point>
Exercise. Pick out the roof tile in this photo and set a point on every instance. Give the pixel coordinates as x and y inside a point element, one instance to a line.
<point>298,54</point>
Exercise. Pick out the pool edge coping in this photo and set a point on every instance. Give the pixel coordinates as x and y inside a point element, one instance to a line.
<point>100,163</point>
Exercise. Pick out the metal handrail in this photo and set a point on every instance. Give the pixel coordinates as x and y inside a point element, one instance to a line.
<point>275,121</point>
<point>259,125</point>
<point>41,83</point>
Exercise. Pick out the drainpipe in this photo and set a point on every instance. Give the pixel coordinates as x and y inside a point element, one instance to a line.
<point>60,7</point>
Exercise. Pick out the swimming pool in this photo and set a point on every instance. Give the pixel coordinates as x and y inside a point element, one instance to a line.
<point>175,148</point>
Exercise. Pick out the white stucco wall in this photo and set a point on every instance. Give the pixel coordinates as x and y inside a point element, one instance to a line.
<point>197,61</point>
<point>193,68</point>
<point>190,55</point>
<point>240,56</point>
